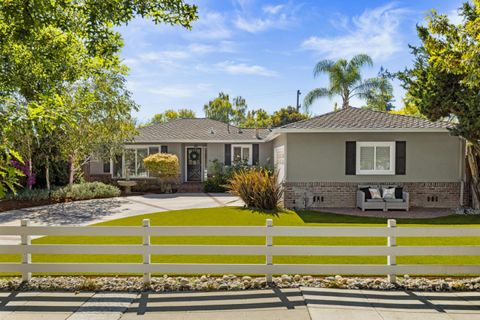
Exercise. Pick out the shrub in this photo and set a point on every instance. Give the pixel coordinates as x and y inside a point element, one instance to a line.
<point>163,165</point>
<point>86,190</point>
<point>29,195</point>
<point>258,188</point>
<point>217,180</point>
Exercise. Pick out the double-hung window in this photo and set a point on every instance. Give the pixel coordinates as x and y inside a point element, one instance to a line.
<point>242,153</point>
<point>376,158</point>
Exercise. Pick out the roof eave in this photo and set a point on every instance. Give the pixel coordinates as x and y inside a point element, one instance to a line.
<point>196,141</point>
<point>354,130</point>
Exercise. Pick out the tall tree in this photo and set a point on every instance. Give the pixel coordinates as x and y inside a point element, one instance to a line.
<point>345,80</point>
<point>287,115</point>
<point>380,98</point>
<point>48,46</point>
<point>100,116</point>
<point>171,114</point>
<point>258,118</point>
<point>219,109</point>
<point>444,82</point>
<point>239,110</point>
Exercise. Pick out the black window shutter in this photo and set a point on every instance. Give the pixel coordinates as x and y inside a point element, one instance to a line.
<point>228,154</point>
<point>350,157</point>
<point>164,149</point>
<point>255,154</point>
<point>401,157</point>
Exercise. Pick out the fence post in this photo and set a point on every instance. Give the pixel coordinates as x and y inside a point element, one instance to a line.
<point>26,256</point>
<point>146,255</point>
<point>392,242</point>
<point>268,255</point>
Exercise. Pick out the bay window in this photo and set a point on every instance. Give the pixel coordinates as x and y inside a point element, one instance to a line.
<point>376,158</point>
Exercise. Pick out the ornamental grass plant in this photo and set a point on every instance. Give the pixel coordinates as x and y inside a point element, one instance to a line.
<point>258,188</point>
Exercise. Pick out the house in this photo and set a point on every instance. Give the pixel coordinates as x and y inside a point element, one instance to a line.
<point>197,144</point>
<point>321,160</point>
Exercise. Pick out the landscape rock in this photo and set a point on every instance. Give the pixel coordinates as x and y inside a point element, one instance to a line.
<point>229,282</point>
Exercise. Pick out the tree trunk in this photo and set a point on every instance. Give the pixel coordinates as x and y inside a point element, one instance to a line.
<point>71,178</point>
<point>473,156</point>
<point>47,172</point>
<point>30,173</point>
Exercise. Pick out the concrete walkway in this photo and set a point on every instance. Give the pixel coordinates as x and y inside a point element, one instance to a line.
<point>81,213</point>
<point>271,304</point>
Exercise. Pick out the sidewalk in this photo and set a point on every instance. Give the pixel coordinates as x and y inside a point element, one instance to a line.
<point>271,304</point>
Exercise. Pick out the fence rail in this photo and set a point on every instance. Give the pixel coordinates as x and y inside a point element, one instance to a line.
<point>269,250</point>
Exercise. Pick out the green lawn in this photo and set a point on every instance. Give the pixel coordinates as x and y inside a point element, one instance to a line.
<point>232,216</point>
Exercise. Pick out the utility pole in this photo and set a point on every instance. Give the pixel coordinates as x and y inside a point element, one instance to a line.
<point>298,100</point>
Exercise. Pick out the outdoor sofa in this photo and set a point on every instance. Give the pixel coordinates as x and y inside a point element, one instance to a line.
<point>365,201</point>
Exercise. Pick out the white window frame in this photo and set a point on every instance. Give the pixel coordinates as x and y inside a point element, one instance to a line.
<point>243,146</point>
<point>375,144</point>
<point>135,148</point>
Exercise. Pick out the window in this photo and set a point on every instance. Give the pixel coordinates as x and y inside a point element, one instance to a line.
<point>376,158</point>
<point>152,150</point>
<point>242,152</point>
<point>106,166</point>
<point>164,149</point>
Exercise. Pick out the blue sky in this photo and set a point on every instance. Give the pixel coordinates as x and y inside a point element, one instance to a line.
<point>266,50</point>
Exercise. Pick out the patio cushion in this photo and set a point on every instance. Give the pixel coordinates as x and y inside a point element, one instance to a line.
<point>394,200</point>
<point>375,200</point>
<point>398,193</point>
<point>375,193</point>
<point>365,190</point>
<point>388,193</point>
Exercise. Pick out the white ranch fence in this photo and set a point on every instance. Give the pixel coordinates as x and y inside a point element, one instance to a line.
<point>391,251</point>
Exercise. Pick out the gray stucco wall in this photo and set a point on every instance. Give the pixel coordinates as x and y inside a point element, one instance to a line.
<point>431,157</point>
<point>266,154</point>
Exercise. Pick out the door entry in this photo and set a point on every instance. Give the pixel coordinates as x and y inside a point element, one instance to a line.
<point>194,164</point>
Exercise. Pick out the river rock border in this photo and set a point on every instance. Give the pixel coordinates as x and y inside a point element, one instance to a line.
<point>232,282</point>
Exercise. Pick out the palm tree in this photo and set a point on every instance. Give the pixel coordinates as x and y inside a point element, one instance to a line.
<point>345,80</point>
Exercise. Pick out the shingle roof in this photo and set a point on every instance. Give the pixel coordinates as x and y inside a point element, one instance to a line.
<point>197,130</point>
<point>355,118</point>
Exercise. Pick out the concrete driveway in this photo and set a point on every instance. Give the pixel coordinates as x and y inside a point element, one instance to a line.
<point>81,213</point>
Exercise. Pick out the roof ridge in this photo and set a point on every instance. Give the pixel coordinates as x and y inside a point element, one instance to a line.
<point>316,117</point>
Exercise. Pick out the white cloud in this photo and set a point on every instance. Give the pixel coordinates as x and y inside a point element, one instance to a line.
<point>179,91</point>
<point>245,69</point>
<point>164,55</point>
<point>210,25</point>
<point>375,32</point>
<point>271,9</point>
<point>274,17</point>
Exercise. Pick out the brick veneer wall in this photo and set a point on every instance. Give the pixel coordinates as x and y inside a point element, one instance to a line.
<point>343,194</point>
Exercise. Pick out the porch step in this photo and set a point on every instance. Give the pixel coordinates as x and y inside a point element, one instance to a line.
<point>190,187</point>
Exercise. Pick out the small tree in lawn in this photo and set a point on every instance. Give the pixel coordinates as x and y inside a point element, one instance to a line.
<point>165,166</point>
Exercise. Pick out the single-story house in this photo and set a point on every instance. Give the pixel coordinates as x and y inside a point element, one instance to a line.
<point>321,161</point>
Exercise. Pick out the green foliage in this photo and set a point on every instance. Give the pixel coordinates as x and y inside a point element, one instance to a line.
<point>163,165</point>
<point>170,114</point>
<point>258,188</point>
<point>29,195</point>
<point>219,109</point>
<point>257,119</point>
<point>51,53</point>
<point>287,115</point>
<point>345,80</point>
<point>444,83</point>
<point>380,97</point>
<point>217,179</point>
<point>84,191</point>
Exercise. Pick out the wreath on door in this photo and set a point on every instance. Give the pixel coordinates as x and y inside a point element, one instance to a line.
<point>194,155</point>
